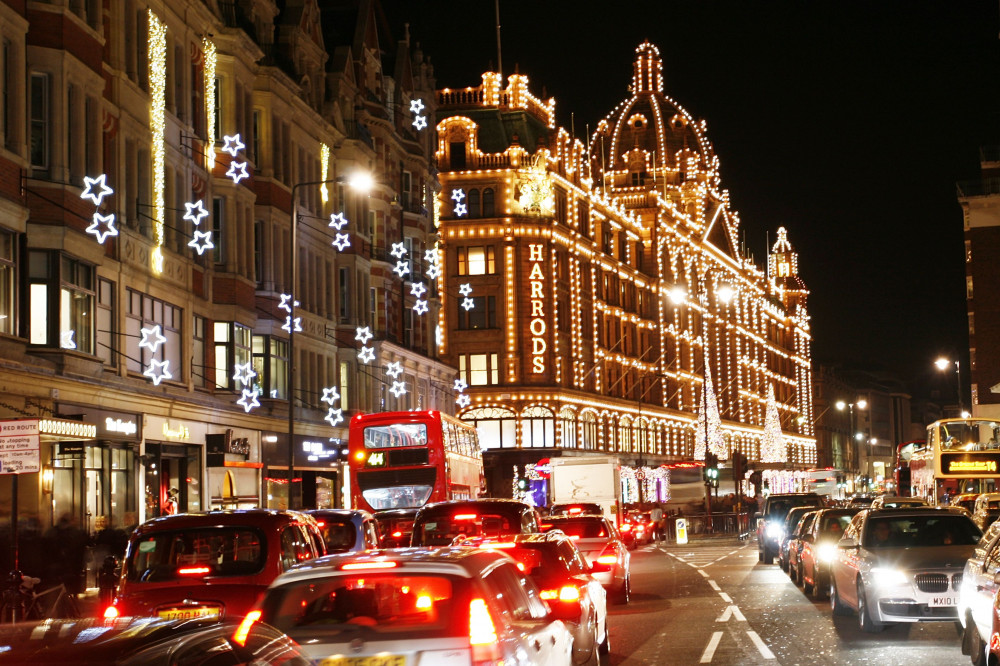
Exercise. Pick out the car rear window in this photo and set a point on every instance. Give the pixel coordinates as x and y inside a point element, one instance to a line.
<point>441,527</point>
<point>383,603</point>
<point>338,536</point>
<point>583,528</point>
<point>174,554</point>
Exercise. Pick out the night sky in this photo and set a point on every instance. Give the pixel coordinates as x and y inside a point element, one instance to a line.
<point>849,123</point>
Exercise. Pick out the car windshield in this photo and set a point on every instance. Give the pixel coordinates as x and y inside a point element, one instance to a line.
<point>338,536</point>
<point>380,602</point>
<point>835,524</point>
<point>777,509</point>
<point>920,531</point>
<point>208,551</point>
<point>584,528</point>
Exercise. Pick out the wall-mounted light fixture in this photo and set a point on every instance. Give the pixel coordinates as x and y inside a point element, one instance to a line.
<point>48,474</point>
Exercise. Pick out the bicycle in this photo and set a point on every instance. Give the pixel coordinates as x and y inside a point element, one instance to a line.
<point>21,601</point>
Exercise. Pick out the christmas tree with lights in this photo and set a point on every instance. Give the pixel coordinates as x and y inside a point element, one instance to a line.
<point>709,422</point>
<point>773,448</point>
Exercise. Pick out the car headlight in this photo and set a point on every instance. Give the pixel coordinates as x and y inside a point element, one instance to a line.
<point>826,552</point>
<point>775,531</point>
<point>889,577</point>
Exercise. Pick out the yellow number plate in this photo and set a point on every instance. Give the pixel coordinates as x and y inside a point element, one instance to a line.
<point>380,660</point>
<point>190,613</point>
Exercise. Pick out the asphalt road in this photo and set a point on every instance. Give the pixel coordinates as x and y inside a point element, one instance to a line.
<point>712,602</point>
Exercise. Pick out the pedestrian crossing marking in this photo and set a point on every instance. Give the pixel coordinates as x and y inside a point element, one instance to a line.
<point>731,611</point>
<point>706,656</point>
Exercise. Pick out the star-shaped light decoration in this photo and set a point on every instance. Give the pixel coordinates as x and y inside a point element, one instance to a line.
<point>237,171</point>
<point>66,340</point>
<point>284,304</point>
<point>468,304</point>
<point>337,221</point>
<point>248,399</point>
<point>433,271</point>
<point>460,210</point>
<point>418,289</point>
<point>158,371</point>
<point>363,334</point>
<point>457,194</point>
<point>420,307</point>
<point>463,400</point>
<point>88,190</point>
<point>420,122</point>
<point>152,338</point>
<point>465,289</point>
<point>289,324</point>
<point>195,212</point>
<point>341,242</point>
<point>202,241</point>
<point>398,250</point>
<point>245,373</point>
<point>334,416</point>
<point>330,395</point>
<point>431,256</point>
<point>394,369</point>
<point>398,389</point>
<point>366,355</point>
<point>402,268</point>
<point>233,145</point>
<point>460,385</point>
<point>416,105</point>
<point>102,227</point>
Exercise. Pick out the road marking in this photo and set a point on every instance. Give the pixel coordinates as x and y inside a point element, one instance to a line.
<point>731,611</point>
<point>702,572</point>
<point>763,649</point>
<point>726,597</point>
<point>706,656</point>
<point>715,586</point>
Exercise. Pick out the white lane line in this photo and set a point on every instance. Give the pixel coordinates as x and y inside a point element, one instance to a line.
<point>763,649</point>
<point>702,572</point>
<point>726,597</point>
<point>715,586</point>
<point>706,656</point>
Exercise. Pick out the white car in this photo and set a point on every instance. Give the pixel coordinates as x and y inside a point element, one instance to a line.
<point>975,598</point>
<point>597,539</point>
<point>892,502</point>
<point>416,607</point>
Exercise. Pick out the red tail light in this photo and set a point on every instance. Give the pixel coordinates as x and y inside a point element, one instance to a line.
<point>576,510</point>
<point>362,566</point>
<point>564,593</point>
<point>608,560</point>
<point>242,631</point>
<point>110,613</point>
<point>397,534</point>
<point>482,631</point>
<point>193,571</point>
<point>465,516</point>
<point>626,528</point>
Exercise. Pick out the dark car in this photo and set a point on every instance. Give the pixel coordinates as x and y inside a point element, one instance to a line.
<point>395,527</point>
<point>439,524</point>
<point>214,564</point>
<point>771,519</point>
<point>146,642</point>
<point>819,547</point>
<point>346,530</point>
<point>574,508</point>
<point>789,532</point>
<point>795,544</point>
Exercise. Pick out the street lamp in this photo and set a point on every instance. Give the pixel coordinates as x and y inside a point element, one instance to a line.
<point>943,364</point>
<point>358,181</point>
<point>860,404</point>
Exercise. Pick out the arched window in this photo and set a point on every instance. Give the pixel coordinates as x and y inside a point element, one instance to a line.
<point>497,427</point>
<point>625,435</point>
<point>537,428</point>
<point>473,200</point>
<point>488,206</point>
<point>568,424</point>
<point>589,439</point>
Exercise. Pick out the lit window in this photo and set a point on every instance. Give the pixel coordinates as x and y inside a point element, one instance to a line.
<point>146,312</point>
<point>232,347</point>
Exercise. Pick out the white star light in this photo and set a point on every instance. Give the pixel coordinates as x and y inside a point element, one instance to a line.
<point>195,212</point>
<point>416,105</point>
<point>457,194</point>
<point>66,340</point>
<point>398,250</point>
<point>363,334</point>
<point>366,355</point>
<point>418,289</point>
<point>106,221</point>
<point>330,395</point>
<point>96,197</point>
<point>460,385</point>
<point>202,241</point>
<point>341,241</point>
<point>334,416</point>
<point>420,307</point>
<point>394,369</point>
<point>468,304</point>
<point>283,305</point>
<point>233,145</point>
<point>420,122</point>
<point>151,338</point>
<point>402,268</point>
<point>433,271</point>
<point>465,289</point>
<point>241,168</point>
<point>248,400</point>
<point>337,221</point>
<point>398,388</point>
<point>158,371</point>
<point>431,256</point>
<point>463,400</point>
<point>245,372</point>
<point>287,326</point>
<point>460,210</point>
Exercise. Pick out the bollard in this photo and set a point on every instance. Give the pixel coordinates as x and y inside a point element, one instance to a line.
<point>682,531</point>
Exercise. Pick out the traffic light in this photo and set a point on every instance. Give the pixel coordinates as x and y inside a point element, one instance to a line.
<point>739,465</point>
<point>522,484</point>
<point>711,472</point>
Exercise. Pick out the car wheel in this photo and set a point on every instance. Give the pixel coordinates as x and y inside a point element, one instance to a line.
<point>760,555</point>
<point>604,649</point>
<point>625,592</point>
<point>973,644</point>
<point>595,653</point>
<point>807,587</point>
<point>820,588</point>
<point>865,621</point>
<point>768,555</point>
<point>836,605</point>
<point>782,562</point>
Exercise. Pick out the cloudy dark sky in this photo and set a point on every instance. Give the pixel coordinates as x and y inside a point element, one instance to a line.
<point>847,122</point>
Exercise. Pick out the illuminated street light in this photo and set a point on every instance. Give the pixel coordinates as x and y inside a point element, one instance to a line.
<point>945,363</point>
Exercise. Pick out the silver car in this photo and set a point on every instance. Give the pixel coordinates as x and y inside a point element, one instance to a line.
<point>902,565</point>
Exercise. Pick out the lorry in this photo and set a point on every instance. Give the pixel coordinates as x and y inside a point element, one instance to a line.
<point>591,478</point>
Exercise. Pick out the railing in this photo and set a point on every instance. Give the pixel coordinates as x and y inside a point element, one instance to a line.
<point>713,524</point>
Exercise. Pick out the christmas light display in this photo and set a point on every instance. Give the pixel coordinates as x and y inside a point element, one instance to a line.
<point>363,334</point>
<point>248,399</point>
<point>152,338</point>
<point>398,389</point>
<point>401,268</point>
<point>463,400</point>
<point>337,221</point>
<point>195,212</point>
<point>66,340</point>
<point>773,448</point>
<point>468,304</point>
<point>420,122</point>
<point>237,171</point>
<point>158,371</point>
<point>324,171</point>
<point>286,300</point>
<point>465,289</point>
<point>330,395</point>
<point>157,59</point>
<point>341,242</point>
<point>398,250</point>
<point>102,189</point>
<point>233,145</point>
<point>366,355</point>
<point>416,106</point>
<point>292,325</point>
<point>334,416</point>
<point>244,373</point>
<point>394,369</point>
<point>418,289</point>
<point>420,307</point>
<point>201,241</point>
<point>460,385</point>
<point>210,59</point>
<point>102,226</point>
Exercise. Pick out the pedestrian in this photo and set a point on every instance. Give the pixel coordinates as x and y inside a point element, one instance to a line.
<point>656,517</point>
<point>170,505</point>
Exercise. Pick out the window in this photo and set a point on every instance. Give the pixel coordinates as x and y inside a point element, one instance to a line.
<point>344,304</point>
<point>482,315</point>
<point>488,205</point>
<point>146,312</point>
<point>198,352</point>
<point>474,203</point>
<point>477,260</point>
<point>40,121</point>
<point>6,87</point>
<point>457,151</point>
<point>258,236</point>
<point>232,348</point>
<point>270,362</point>
<point>480,369</point>
<point>7,273</point>
<point>61,294</point>
<point>218,224</point>
<point>106,348</point>
<point>345,385</point>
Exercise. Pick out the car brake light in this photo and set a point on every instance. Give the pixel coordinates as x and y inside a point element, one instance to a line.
<point>242,631</point>
<point>361,566</point>
<point>110,613</point>
<point>320,523</point>
<point>465,516</point>
<point>481,628</point>
<point>576,510</point>
<point>564,593</point>
<point>397,534</point>
<point>607,560</point>
<point>193,571</point>
<point>626,528</point>
<point>574,537</point>
<point>548,595</point>
<point>498,544</point>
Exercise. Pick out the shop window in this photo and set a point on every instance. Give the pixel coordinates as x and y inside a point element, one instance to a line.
<point>232,348</point>
<point>477,260</point>
<point>270,362</point>
<point>145,312</point>
<point>480,369</point>
<point>482,315</point>
<point>61,302</point>
<point>7,287</point>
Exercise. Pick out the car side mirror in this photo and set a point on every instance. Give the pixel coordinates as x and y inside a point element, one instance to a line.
<point>847,542</point>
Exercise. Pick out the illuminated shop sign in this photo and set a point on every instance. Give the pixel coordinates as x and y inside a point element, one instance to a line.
<point>178,431</point>
<point>970,464</point>
<point>536,321</point>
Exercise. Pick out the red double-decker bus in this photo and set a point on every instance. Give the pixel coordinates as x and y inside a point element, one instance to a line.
<point>403,460</point>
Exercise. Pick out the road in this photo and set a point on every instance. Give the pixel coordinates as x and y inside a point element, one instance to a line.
<point>712,602</point>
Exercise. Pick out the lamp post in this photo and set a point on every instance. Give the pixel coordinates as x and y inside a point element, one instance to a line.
<point>860,404</point>
<point>360,182</point>
<point>943,364</point>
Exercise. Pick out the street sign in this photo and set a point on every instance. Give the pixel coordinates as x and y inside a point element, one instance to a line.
<point>19,446</point>
<point>682,531</point>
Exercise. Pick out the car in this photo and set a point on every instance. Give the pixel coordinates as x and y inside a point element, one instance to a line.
<point>965,500</point>
<point>564,579</point>
<point>449,605</point>
<point>902,565</point>
<point>641,526</point>
<point>788,527</point>
<point>795,544</point>
<point>440,523</point>
<point>395,527</point>
<point>346,530</point>
<point>565,508</point>
<point>146,642</point>
<point>213,564</point>
<point>771,518</point>
<point>986,510</point>
<point>596,537</point>
<point>819,545</point>
<point>976,595</point>
<point>862,501</point>
<point>894,502</point>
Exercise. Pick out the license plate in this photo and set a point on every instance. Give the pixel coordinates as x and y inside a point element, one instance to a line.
<point>379,660</point>
<point>190,613</point>
<point>943,601</point>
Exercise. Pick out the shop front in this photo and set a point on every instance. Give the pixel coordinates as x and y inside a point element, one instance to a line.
<point>320,465</point>
<point>171,467</point>
<point>234,468</point>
